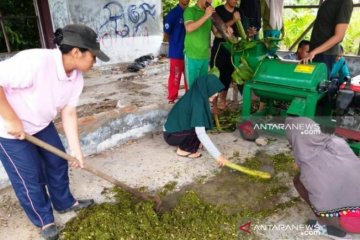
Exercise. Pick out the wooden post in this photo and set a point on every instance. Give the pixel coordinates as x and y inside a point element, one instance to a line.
<point>4,32</point>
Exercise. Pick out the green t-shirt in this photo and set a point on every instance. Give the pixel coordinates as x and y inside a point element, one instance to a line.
<point>197,43</point>
<point>331,13</point>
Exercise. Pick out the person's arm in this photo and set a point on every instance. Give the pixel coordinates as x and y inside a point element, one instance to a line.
<point>191,26</point>
<point>13,124</point>
<point>209,145</point>
<point>216,32</point>
<point>236,17</point>
<point>70,125</point>
<point>338,36</point>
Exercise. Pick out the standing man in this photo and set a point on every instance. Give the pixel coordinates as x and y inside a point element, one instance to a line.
<point>197,40</point>
<point>329,29</point>
<point>174,31</point>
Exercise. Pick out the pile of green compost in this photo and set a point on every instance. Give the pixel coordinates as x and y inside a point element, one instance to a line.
<point>203,210</point>
<point>192,218</point>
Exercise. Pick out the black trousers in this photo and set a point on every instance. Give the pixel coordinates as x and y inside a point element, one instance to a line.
<point>223,63</point>
<point>185,140</point>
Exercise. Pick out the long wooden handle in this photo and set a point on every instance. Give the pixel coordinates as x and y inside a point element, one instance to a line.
<point>92,170</point>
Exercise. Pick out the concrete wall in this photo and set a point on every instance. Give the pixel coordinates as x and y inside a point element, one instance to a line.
<point>126,29</point>
<point>114,131</point>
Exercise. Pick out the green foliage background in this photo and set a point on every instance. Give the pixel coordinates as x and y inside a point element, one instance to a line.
<point>22,32</point>
<point>297,20</point>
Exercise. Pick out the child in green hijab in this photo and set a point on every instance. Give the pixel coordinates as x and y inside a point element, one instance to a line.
<point>190,117</point>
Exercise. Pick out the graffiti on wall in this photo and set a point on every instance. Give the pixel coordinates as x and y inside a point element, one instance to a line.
<point>118,19</point>
<point>126,22</point>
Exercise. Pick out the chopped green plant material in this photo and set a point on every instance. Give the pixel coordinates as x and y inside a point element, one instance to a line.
<point>228,121</point>
<point>254,163</point>
<point>284,163</point>
<point>191,218</point>
<point>203,210</point>
<point>170,186</point>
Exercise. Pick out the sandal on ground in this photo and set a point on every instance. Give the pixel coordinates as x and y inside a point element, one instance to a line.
<point>50,233</point>
<point>189,154</point>
<point>81,204</point>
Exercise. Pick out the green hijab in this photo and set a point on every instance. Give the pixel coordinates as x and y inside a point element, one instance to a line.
<point>193,109</point>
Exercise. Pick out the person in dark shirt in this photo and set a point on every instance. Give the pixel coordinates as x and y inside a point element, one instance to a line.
<point>329,29</point>
<point>220,57</point>
<point>250,12</point>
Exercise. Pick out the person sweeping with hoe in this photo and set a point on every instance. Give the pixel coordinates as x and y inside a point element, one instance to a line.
<point>50,81</point>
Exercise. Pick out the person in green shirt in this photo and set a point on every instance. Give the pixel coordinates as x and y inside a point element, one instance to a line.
<point>190,117</point>
<point>329,29</point>
<point>198,28</point>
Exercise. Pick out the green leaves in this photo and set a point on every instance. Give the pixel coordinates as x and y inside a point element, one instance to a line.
<point>191,218</point>
<point>242,72</point>
<point>214,70</point>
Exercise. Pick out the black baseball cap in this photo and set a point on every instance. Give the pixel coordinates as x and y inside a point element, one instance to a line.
<point>79,35</point>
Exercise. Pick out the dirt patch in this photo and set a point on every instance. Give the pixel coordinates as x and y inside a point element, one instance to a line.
<point>94,108</point>
<point>8,208</point>
<point>131,86</point>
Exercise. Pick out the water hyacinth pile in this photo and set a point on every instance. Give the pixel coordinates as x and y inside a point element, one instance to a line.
<point>191,218</point>
<point>211,210</point>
